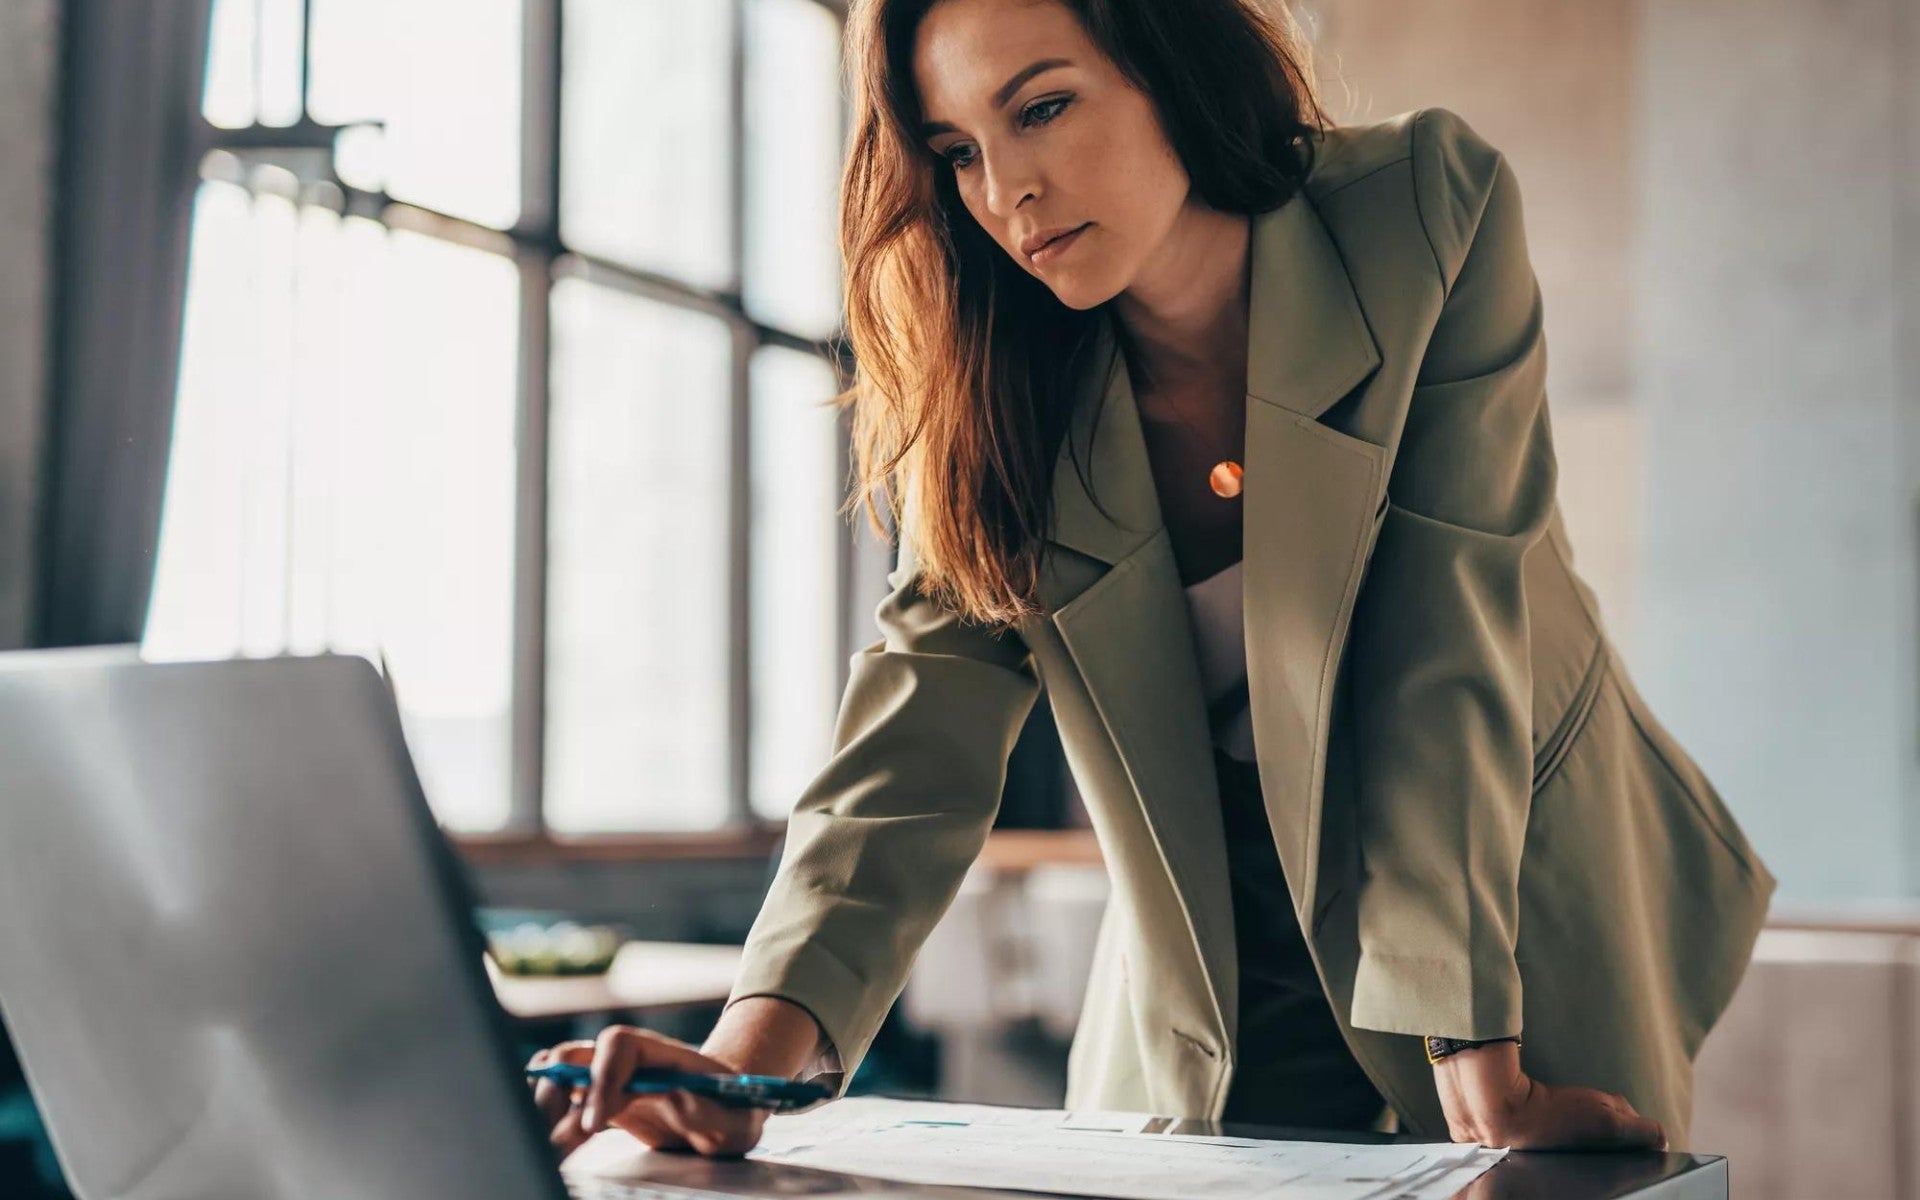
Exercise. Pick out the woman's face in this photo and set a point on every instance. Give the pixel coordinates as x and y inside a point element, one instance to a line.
<point>1042,133</point>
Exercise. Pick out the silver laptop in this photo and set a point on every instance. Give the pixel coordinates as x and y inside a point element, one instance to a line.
<point>236,955</point>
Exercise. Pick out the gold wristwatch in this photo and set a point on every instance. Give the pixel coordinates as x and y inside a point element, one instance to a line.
<point>1439,1047</point>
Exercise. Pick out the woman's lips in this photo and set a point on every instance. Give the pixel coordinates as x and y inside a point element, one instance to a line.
<point>1058,246</point>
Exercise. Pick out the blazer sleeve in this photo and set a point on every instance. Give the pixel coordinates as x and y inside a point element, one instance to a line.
<point>878,843</point>
<point>1443,706</point>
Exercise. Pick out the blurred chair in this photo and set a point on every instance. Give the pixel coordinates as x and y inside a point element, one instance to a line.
<point>1002,976</point>
<point>1064,906</point>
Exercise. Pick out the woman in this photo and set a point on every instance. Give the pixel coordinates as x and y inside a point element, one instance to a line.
<point>1229,427</point>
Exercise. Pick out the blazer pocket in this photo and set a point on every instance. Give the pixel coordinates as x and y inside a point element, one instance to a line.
<point>1573,720</point>
<point>1345,440</point>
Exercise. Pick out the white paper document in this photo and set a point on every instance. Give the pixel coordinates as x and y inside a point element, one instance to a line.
<point>1103,1154</point>
<point>865,1114</point>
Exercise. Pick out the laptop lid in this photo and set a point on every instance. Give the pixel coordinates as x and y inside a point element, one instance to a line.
<point>236,955</point>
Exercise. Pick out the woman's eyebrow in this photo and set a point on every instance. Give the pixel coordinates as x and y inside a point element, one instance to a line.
<point>1005,92</point>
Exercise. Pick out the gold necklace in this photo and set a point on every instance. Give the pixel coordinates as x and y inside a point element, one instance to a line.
<point>1224,477</point>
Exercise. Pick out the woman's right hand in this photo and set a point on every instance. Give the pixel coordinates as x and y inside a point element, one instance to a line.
<point>1489,1099</point>
<point>663,1120</point>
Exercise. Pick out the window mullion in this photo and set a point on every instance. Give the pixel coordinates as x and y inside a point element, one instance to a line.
<point>740,474</point>
<point>536,244</point>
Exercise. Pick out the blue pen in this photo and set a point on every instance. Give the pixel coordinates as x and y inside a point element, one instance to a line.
<point>749,1091</point>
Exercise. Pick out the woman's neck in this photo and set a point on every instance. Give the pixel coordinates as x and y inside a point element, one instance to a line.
<point>1183,322</point>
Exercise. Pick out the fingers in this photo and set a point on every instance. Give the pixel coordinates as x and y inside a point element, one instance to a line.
<point>1634,1132</point>
<point>658,1050</point>
<point>662,1120</point>
<point>642,1119</point>
<point>649,1117</point>
<point>615,1054</point>
<point>548,1096</point>
<point>1593,1119</point>
<point>1620,1127</point>
<point>708,1132</point>
<point>566,1134</point>
<point>673,1120</point>
<point>717,1129</point>
<point>554,1101</point>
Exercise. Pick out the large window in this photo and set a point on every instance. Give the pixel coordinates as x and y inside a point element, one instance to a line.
<point>509,341</point>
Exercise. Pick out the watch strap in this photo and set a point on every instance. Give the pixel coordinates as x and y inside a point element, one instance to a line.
<point>1440,1047</point>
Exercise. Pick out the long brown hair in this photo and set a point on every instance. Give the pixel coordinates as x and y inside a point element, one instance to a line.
<point>965,363</point>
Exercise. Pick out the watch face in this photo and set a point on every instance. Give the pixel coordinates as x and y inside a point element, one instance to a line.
<point>1439,1047</point>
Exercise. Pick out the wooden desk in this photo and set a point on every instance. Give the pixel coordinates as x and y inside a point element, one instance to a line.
<point>644,977</point>
<point>1547,1175</point>
<point>1012,851</point>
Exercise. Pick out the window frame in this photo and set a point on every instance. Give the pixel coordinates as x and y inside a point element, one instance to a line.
<point>541,258</point>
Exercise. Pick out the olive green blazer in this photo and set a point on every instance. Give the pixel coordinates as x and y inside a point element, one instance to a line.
<point>1484,829</point>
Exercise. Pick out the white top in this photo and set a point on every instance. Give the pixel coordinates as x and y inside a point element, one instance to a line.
<point>1217,608</point>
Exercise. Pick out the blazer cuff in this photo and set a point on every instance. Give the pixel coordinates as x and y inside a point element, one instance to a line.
<point>816,980</point>
<point>1440,997</point>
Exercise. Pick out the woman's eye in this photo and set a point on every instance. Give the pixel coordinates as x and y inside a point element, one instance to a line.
<point>1047,104</point>
<point>1051,108</point>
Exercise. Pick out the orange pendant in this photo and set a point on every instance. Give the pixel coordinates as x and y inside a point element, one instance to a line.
<point>1225,479</point>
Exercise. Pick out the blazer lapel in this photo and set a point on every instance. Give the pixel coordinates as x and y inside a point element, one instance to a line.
<point>1311,497</point>
<point>1314,497</point>
<point>1129,637</point>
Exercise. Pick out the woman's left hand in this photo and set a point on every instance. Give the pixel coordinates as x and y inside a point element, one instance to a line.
<point>1488,1099</point>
